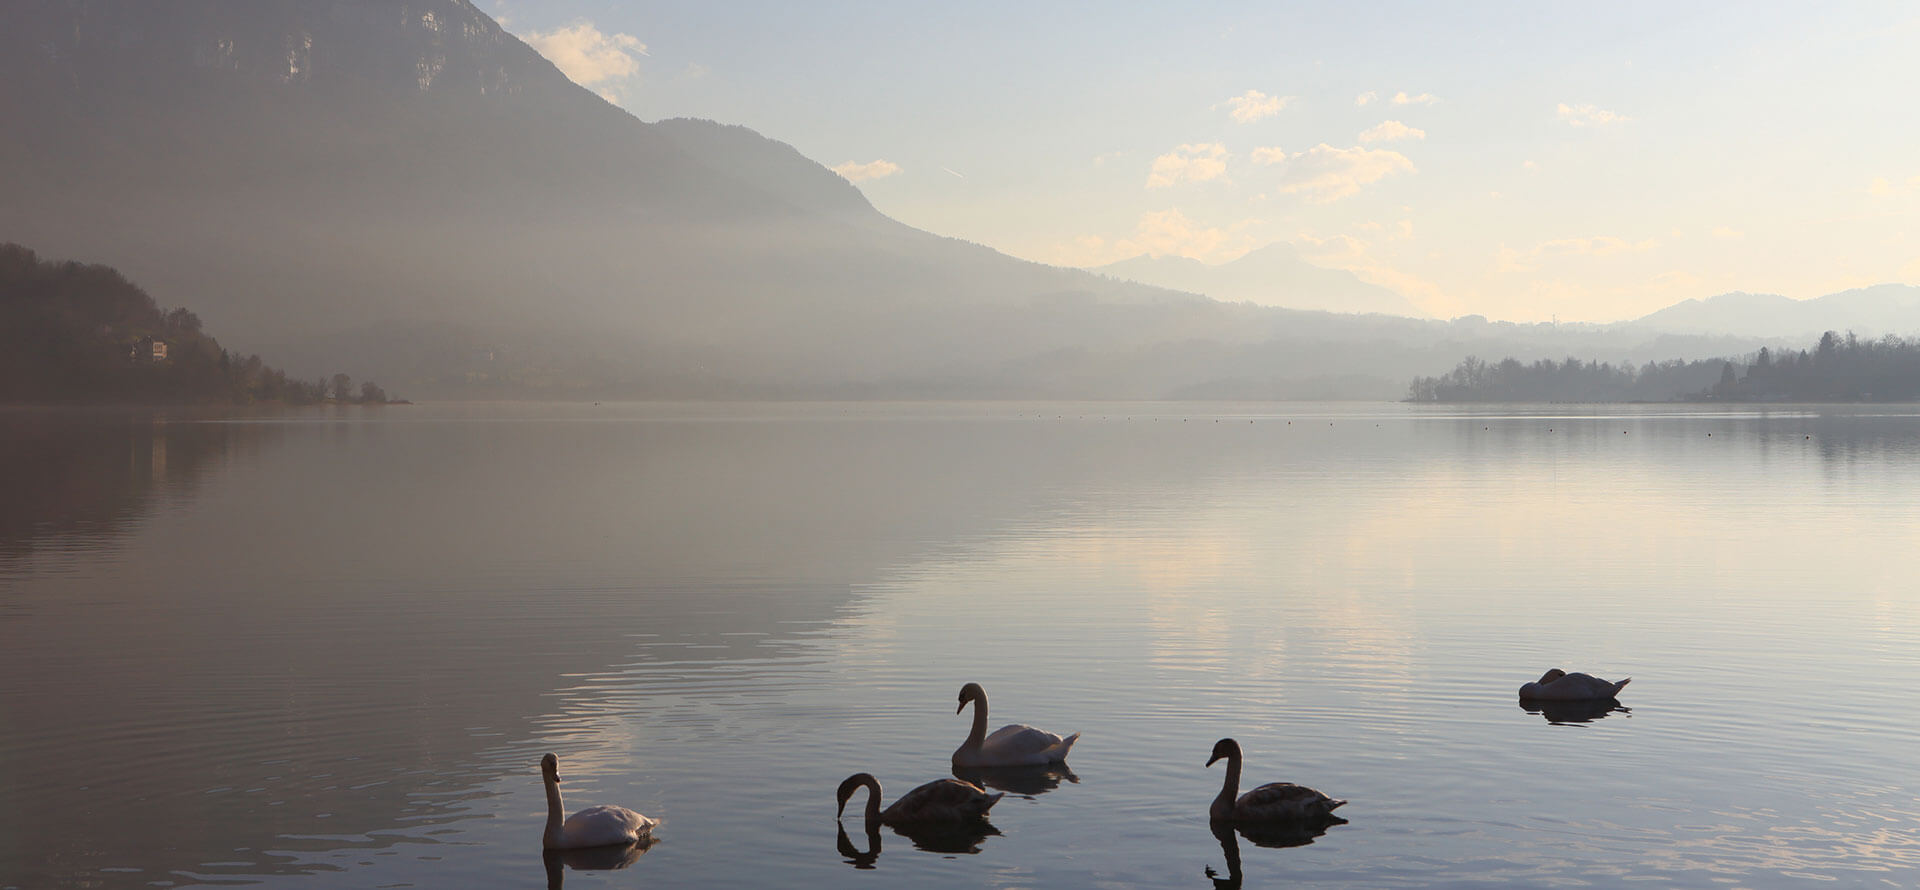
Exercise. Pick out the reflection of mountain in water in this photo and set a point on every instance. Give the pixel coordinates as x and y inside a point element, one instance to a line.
<point>1563,712</point>
<point>73,476</point>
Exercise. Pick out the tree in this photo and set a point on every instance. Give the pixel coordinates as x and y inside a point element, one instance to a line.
<point>342,387</point>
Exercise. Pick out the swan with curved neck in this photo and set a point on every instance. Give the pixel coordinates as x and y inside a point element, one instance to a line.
<point>599,826</point>
<point>1274,802</point>
<point>1558,685</point>
<point>941,800</point>
<point>1012,745</point>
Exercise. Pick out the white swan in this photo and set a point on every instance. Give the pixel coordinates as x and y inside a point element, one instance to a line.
<point>592,827</point>
<point>1011,745</point>
<point>941,800</point>
<point>1558,685</point>
<point>1276,802</point>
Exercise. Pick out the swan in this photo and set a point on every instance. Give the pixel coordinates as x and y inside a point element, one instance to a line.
<point>1011,745</point>
<point>1276,802</point>
<point>1558,685</point>
<point>941,800</point>
<point>592,827</point>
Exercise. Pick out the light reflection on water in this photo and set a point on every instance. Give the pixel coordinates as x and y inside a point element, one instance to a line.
<point>330,650</point>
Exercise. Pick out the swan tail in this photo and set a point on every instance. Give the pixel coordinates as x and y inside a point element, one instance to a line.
<point>1621,685</point>
<point>991,800</point>
<point>1334,804</point>
<point>1059,752</point>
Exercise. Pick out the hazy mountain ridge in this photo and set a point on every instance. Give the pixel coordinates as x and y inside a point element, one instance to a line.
<point>405,189</point>
<point>1871,311</point>
<point>1274,275</point>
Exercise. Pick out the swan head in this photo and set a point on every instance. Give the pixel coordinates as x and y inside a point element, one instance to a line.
<point>969,692</point>
<point>1552,675</point>
<point>550,768</point>
<point>852,784</point>
<point>1225,748</point>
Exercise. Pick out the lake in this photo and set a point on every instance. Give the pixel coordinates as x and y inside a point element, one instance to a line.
<point>328,648</point>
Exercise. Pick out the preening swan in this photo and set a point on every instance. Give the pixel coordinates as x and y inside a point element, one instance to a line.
<point>941,800</point>
<point>1279,801</point>
<point>1011,745</point>
<point>592,827</point>
<point>1558,685</point>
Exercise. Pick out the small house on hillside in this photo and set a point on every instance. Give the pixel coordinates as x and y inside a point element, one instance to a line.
<point>148,349</point>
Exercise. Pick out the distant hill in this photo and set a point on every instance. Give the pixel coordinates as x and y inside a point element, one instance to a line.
<point>1872,311</point>
<point>318,174</point>
<point>83,334</point>
<point>1274,275</point>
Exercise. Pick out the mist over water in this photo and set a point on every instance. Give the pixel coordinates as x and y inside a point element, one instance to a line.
<point>329,649</point>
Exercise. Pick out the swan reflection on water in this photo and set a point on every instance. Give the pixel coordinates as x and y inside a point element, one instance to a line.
<point>590,859</point>
<point>1023,780</point>
<point>1298,833</point>
<point>949,838</point>
<point>1564,712</point>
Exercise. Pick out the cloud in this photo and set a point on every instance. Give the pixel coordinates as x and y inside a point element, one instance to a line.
<point>1392,131</point>
<point>1327,174</point>
<point>1590,116</point>
<point>587,56</point>
<point>1726,233</point>
<point>858,172</point>
<point>1880,188</point>
<point>1267,157</point>
<point>1254,105</point>
<point>1365,97</point>
<point>1401,98</point>
<point>1189,163</point>
<point>1170,232</point>
<point>1604,245</point>
<point>1356,255</point>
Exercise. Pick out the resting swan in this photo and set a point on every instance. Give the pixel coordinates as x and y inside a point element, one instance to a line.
<point>1558,685</point>
<point>1276,802</point>
<point>1011,745</point>
<point>941,800</point>
<point>592,827</point>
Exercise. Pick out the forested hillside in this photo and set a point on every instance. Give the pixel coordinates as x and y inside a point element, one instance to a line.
<point>77,333</point>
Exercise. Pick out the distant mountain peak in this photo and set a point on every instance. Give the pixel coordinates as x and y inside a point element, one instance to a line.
<point>1273,274</point>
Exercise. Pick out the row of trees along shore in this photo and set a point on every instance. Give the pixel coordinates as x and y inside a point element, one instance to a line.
<point>1841,368</point>
<point>76,333</point>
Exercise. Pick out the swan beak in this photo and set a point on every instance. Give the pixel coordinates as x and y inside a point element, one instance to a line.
<point>1210,760</point>
<point>962,707</point>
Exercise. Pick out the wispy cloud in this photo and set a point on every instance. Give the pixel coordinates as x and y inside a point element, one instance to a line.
<point>1401,98</point>
<point>1392,131</point>
<point>1326,174</point>
<point>1365,98</point>
<point>1254,105</point>
<point>1603,245</point>
<point>586,55</point>
<point>858,172</point>
<point>1590,115</point>
<point>1266,157</point>
<point>1198,162</point>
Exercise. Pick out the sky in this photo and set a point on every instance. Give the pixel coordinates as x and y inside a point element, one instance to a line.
<point>1522,161</point>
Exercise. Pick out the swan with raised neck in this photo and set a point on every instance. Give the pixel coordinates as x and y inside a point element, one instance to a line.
<point>1015,744</point>
<point>1273,802</point>
<point>599,826</point>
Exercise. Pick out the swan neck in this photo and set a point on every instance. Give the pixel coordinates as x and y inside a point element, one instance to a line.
<point>978,736</point>
<point>873,802</point>
<point>1229,788</point>
<point>556,814</point>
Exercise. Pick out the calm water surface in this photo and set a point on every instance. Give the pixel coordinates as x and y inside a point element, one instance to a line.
<point>327,650</point>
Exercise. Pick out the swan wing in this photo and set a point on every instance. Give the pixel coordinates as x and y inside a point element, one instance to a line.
<point>1284,800</point>
<point>604,825</point>
<point>1017,744</point>
<point>941,800</point>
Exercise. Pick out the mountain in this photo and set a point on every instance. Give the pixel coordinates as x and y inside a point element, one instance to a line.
<point>1871,312</point>
<point>1274,275</point>
<point>406,188</point>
